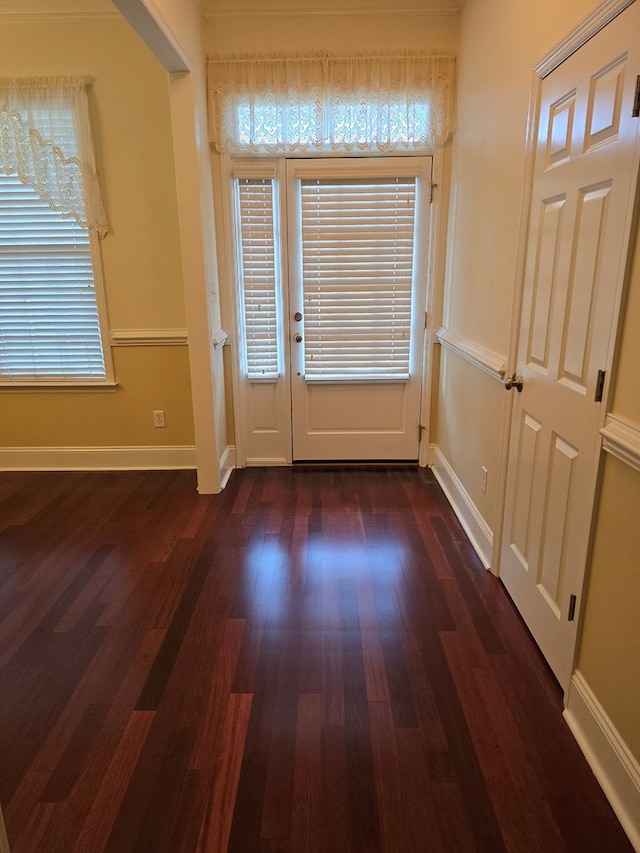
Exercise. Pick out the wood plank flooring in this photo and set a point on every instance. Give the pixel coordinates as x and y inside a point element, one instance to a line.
<point>313,661</point>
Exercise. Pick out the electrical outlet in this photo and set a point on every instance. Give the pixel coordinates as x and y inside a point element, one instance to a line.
<point>158,418</point>
<point>483,480</point>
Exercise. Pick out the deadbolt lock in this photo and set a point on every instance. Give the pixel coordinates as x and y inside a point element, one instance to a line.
<point>297,316</point>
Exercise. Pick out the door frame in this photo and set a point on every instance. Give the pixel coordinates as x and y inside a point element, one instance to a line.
<point>580,35</point>
<point>231,307</point>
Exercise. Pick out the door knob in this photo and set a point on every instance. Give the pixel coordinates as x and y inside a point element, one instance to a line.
<point>514,381</point>
<point>297,338</point>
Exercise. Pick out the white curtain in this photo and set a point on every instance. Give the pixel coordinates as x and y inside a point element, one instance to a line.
<point>45,139</point>
<point>360,103</point>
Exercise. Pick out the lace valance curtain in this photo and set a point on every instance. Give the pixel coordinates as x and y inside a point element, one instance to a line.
<point>361,103</point>
<point>45,139</point>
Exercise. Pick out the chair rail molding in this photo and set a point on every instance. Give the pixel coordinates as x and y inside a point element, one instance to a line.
<point>621,438</point>
<point>148,337</point>
<point>491,362</point>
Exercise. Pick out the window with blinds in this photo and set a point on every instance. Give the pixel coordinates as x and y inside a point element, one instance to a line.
<point>49,322</point>
<point>357,267</point>
<point>258,272</point>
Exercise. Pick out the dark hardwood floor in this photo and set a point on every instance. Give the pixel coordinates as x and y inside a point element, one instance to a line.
<point>313,660</point>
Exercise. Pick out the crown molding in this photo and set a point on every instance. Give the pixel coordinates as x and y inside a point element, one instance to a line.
<point>441,10</point>
<point>60,18</point>
<point>58,12</point>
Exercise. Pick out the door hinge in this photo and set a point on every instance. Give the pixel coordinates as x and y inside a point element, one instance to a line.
<point>421,430</point>
<point>432,188</point>
<point>600,385</point>
<point>635,113</point>
<point>572,608</point>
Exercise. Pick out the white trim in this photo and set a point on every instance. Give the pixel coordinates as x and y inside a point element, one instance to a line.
<point>220,339</point>
<point>266,461</point>
<point>436,260</point>
<point>151,25</point>
<point>621,438</point>
<point>77,17</point>
<point>588,28</point>
<point>443,9</point>
<point>476,528</point>
<point>148,337</point>
<point>227,464</point>
<point>97,458</point>
<point>613,765</point>
<point>491,362</point>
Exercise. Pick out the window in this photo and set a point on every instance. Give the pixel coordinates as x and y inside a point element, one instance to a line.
<point>257,275</point>
<point>296,104</point>
<point>49,323</point>
<point>352,238</point>
<point>356,239</point>
<point>51,305</point>
<point>353,124</point>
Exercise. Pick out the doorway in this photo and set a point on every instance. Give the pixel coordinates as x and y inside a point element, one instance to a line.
<point>331,263</point>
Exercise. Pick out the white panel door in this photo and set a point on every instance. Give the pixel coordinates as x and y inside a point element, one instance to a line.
<point>579,225</point>
<point>357,296</point>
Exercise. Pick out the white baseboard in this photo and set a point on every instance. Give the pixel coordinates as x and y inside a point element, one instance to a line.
<point>474,525</point>
<point>227,464</point>
<point>613,765</point>
<point>96,458</point>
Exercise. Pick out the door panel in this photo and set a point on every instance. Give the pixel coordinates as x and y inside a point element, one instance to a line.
<point>581,210</point>
<point>365,412</point>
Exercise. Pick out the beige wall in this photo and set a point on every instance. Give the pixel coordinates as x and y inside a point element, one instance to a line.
<point>500,42</point>
<point>179,24</point>
<point>141,255</point>
<point>349,31</point>
<point>609,655</point>
<point>237,31</point>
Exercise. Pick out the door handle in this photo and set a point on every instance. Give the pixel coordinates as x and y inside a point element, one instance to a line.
<point>514,381</point>
<point>297,338</point>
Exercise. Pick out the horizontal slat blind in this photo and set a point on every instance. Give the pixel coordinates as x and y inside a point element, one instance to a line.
<point>49,326</point>
<point>257,260</point>
<point>357,266</point>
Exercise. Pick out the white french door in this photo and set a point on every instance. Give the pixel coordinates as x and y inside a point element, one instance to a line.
<point>357,291</point>
<point>331,273</point>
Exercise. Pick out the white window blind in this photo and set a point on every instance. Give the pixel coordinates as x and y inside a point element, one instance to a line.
<point>357,267</point>
<point>49,324</point>
<point>257,259</point>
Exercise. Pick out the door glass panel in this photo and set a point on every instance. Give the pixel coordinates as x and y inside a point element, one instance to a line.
<point>357,238</point>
